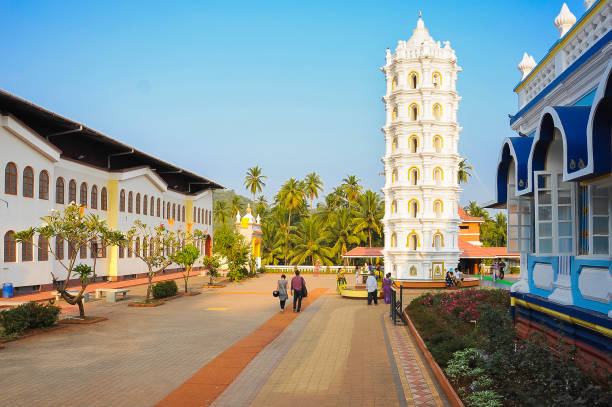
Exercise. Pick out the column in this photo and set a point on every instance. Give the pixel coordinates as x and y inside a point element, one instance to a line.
<point>112,214</point>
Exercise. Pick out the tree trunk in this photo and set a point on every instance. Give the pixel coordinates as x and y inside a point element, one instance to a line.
<point>186,277</point>
<point>81,308</point>
<point>370,237</point>
<point>150,276</point>
<point>287,238</point>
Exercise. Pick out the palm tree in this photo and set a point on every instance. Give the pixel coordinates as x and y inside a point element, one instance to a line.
<point>261,206</point>
<point>272,243</point>
<point>292,196</point>
<point>351,187</point>
<point>253,180</point>
<point>367,214</point>
<point>336,199</point>
<point>312,186</point>
<point>278,218</point>
<point>473,209</point>
<point>221,211</point>
<point>309,243</point>
<point>464,172</point>
<point>236,205</point>
<point>340,231</point>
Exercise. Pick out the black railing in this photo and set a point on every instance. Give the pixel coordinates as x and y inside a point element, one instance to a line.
<point>397,306</point>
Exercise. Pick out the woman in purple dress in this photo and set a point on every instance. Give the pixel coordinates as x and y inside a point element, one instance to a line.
<point>386,286</point>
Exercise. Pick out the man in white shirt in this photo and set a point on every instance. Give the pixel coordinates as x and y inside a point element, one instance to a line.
<point>372,287</point>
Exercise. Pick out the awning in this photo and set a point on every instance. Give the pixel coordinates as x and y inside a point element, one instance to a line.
<point>364,252</point>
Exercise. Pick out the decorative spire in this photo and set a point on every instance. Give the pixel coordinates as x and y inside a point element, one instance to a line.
<point>588,3</point>
<point>248,208</point>
<point>238,217</point>
<point>420,34</point>
<point>526,65</point>
<point>565,20</point>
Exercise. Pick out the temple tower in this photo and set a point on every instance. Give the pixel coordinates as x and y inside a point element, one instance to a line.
<point>250,228</point>
<point>421,191</point>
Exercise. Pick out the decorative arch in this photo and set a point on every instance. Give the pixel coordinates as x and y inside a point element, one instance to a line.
<point>59,190</point>
<point>394,83</point>
<point>414,174</point>
<point>122,200</point>
<point>413,79</point>
<point>130,202</point>
<point>437,111</point>
<point>394,176</point>
<point>436,79</point>
<point>72,191</point>
<point>393,207</point>
<point>138,203</point>
<point>413,111</point>
<point>393,240</point>
<point>10,247</point>
<point>413,143</point>
<point>28,182</point>
<point>10,179</point>
<point>438,143</point>
<point>103,199</point>
<point>438,207</point>
<point>438,240</point>
<point>152,211</point>
<point>145,204</point>
<point>394,114</point>
<point>412,241</point>
<point>83,194</point>
<point>158,207</point>
<point>394,144</point>
<point>94,197</point>
<point>414,207</point>
<point>43,185</point>
<point>438,173</point>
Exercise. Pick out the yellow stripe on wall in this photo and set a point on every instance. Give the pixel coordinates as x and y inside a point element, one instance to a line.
<point>112,220</point>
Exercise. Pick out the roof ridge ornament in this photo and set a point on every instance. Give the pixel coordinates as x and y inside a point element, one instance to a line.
<point>526,65</point>
<point>565,20</point>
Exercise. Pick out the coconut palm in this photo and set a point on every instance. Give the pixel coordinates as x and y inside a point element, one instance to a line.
<point>292,196</point>
<point>261,206</point>
<point>254,180</point>
<point>221,211</point>
<point>340,231</point>
<point>473,209</point>
<point>309,243</point>
<point>336,199</point>
<point>368,214</point>
<point>272,243</point>
<point>312,186</point>
<point>464,172</point>
<point>352,188</point>
<point>235,205</point>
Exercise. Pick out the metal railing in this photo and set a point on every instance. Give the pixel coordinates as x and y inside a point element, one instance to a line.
<point>397,304</point>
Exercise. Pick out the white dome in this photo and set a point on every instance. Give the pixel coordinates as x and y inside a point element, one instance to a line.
<point>565,20</point>
<point>526,65</point>
<point>420,35</point>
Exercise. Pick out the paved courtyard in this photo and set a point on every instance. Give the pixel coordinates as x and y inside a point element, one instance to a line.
<point>336,352</point>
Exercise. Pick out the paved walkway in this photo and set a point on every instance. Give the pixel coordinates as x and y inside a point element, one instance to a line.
<point>336,352</point>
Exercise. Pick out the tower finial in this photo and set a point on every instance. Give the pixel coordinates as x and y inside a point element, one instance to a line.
<point>420,14</point>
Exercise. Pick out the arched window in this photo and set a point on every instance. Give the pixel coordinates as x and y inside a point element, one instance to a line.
<point>122,200</point>
<point>394,117</point>
<point>152,211</point>
<point>394,144</point>
<point>195,214</point>
<point>168,206</point>
<point>413,143</point>
<point>28,182</point>
<point>393,207</point>
<point>174,211</point>
<point>394,177</point>
<point>438,143</point>
<point>436,79</point>
<point>145,246</point>
<point>83,251</point>
<point>413,208</point>
<point>72,191</point>
<point>183,213</point>
<point>414,111</point>
<point>121,251</point>
<point>10,179</point>
<point>43,185</point>
<point>145,204</point>
<point>59,248</point>
<point>26,250</point>
<point>437,111</point>
<point>43,248</point>
<point>414,176</point>
<point>94,197</point>
<point>438,241</point>
<point>130,202</point>
<point>413,80</point>
<point>137,247</point>
<point>103,199</point>
<point>393,240</point>
<point>10,247</point>
<point>59,190</point>
<point>138,203</point>
<point>413,241</point>
<point>130,248</point>
<point>394,83</point>
<point>413,271</point>
<point>438,175</point>
<point>158,204</point>
<point>83,197</point>
<point>438,207</point>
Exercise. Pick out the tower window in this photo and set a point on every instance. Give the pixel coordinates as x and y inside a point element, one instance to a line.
<point>437,143</point>
<point>414,176</point>
<point>394,83</point>
<point>437,111</point>
<point>413,207</point>
<point>436,80</point>
<point>414,144</point>
<point>394,144</point>
<point>414,112</point>
<point>28,182</point>
<point>413,79</point>
<point>10,179</point>
<point>394,113</point>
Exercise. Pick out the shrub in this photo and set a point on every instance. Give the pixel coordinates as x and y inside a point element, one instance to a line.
<point>515,270</point>
<point>164,289</point>
<point>32,315</point>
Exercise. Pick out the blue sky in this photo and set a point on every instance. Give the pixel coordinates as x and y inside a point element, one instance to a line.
<point>295,87</point>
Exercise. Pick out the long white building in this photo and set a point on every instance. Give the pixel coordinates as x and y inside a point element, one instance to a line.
<point>50,161</point>
<point>421,192</point>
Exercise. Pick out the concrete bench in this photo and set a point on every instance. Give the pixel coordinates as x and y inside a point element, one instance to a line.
<point>73,292</point>
<point>111,293</point>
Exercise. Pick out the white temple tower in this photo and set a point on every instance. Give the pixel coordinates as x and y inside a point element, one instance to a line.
<point>421,191</point>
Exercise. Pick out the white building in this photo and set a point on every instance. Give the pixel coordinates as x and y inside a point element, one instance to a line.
<point>421,222</point>
<point>50,161</point>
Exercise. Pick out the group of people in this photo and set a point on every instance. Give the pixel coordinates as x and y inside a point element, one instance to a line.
<point>453,278</point>
<point>297,289</point>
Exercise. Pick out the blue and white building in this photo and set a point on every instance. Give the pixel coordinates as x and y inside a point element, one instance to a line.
<point>555,180</point>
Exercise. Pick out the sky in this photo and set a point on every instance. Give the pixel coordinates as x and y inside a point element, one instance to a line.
<point>294,87</point>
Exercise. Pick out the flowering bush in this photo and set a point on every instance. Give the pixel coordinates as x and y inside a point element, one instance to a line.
<point>464,305</point>
<point>32,315</point>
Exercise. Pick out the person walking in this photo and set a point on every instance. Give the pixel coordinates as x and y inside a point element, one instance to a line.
<point>502,269</point>
<point>386,287</point>
<point>372,287</point>
<point>297,285</point>
<point>281,287</point>
<point>356,276</point>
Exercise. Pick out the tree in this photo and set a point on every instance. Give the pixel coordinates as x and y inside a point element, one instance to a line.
<point>81,232</point>
<point>186,258</point>
<point>352,188</point>
<point>312,186</point>
<point>152,252</point>
<point>231,245</point>
<point>309,243</point>
<point>464,172</point>
<point>341,233</point>
<point>368,214</point>
<point>292,196</point>
<point>235,206</point>
<point>473,209</point>
<point>222,211</point>
<point>261,206</point>
<point>254,180</point>
<point>211,263</point>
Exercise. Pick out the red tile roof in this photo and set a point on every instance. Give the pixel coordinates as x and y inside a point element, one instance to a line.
<point>365,252</point>
<point>467,218</point>
<point>471,251</point>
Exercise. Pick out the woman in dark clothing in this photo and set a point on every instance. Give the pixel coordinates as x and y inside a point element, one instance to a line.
<point>449,279</point>
<point>386,286</point>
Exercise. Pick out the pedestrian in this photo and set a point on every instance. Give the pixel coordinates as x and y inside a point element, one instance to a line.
<point>502,269</point>
<point>494,268</point>
<point>372,287</point>
<point>449,279</point>
<point>297,285</point>
<point>386,287</point>
<point>356,276</point>
<point>281,287</point>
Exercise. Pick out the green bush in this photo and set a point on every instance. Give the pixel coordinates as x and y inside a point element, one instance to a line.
<point>164,289</point>
<point>32,315</point>
<point>515,270</point>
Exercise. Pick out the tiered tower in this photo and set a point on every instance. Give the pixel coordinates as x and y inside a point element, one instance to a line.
<point>421,220</point>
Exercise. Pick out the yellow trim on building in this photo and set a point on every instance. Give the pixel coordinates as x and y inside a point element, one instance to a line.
<point>112,216</point>
<point>439,76</point>
<point>189,211</point>
<point>417,77</point>
<point>551,54</point>
<point>573,320</point>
